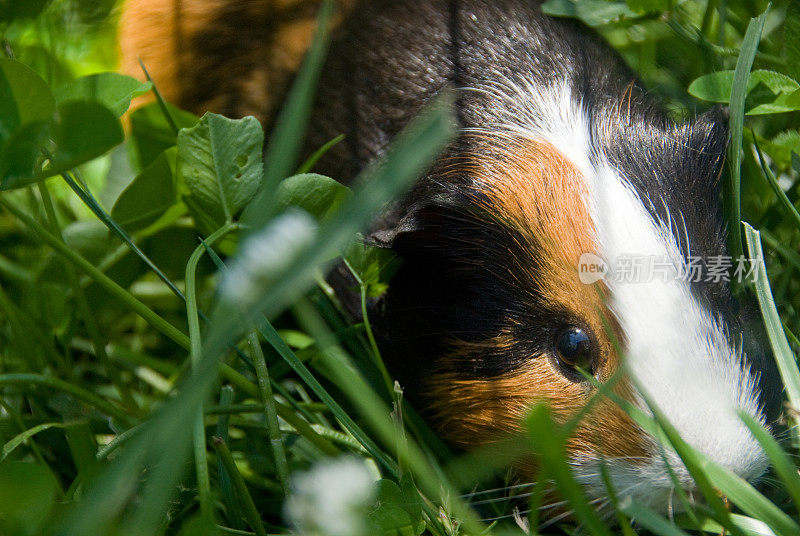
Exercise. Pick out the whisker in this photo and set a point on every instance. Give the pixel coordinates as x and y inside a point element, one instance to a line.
<point>506,516</point>
<point>497,490</point>
<point>554,520</point>
<point>549,506</point>
<point>510,497</point>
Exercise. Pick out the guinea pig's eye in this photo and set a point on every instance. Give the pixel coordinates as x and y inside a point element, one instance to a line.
<point>574,349</point>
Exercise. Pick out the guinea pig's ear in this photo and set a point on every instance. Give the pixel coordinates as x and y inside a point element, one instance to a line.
<point>394,224</point>
<point>418,217</point>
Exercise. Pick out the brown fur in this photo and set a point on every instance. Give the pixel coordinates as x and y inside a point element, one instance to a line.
<point>234,57</point>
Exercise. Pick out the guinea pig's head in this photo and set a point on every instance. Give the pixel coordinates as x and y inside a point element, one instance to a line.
<point>529,257</point>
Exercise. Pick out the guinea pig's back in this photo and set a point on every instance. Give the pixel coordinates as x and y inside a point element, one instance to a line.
<point>233,57</point>
<point>392,57</point>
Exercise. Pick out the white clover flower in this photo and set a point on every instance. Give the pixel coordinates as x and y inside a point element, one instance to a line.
<point>267,254</point>
<point>331,499</point>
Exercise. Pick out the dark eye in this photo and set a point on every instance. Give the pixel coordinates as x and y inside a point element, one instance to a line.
<point>574,349</point>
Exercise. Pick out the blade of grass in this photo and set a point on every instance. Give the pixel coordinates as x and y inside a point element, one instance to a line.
<point>549,444</point>
<point>662,430</point>
<point>341,438</point>
<point>781,462</point>
<point>101,404</point>
<point>694,463</point>
<point>376,411</point>
<point>750,500</point>
<point>273,338</point>
<point>20,424</point>
<point>285,412</point>
<point>104,451</point>
<point>744,64</point>
<point>749,526</point>
<point>162,104</point>
<point>19,439</point>
<point>199,435</point>
<point>270,413</point>
<point>787,365</point>
<point>89,200</point>
<point>233,508</point>
<point>649,519</point>
<point>119,253</point>
<point>624,522</point>
<point>250,510</point>
<point>368,329</point>
<point>643,420</point>
<point>308,165</point>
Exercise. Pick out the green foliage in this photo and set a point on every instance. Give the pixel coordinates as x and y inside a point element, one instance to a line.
<point>124,358</point>
<point>11,9</point>
<point>373,267</point>
<point>219,163</point>
<point>28,494</point>
<point>650,6</point>
<point>591,12</point>
<point>318,195</point>
<point>791,38</point>
<point>24,98</point>
<point>112,90</point>
<point>151,196</point>
<point>82,131</point>
<point>768,92</point>
<point>77,131</point>
<point>780,346</point>
<point>152,133</point>
<point>397,512</point>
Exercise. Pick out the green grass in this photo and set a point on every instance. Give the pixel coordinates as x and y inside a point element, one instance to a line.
<point>155,383</point>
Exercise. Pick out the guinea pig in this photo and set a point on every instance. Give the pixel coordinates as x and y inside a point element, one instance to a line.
<point>562,161</point>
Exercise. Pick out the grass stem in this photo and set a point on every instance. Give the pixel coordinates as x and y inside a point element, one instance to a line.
<point>250,510</point>
<point>270,413</point>
<point>196,349</point>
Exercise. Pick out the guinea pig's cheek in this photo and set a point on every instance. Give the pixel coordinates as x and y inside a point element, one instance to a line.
<point>609,433</point>
<point>472,411</point>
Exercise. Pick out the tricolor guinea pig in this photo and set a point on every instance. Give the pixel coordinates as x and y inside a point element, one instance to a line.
<point>563,171</point>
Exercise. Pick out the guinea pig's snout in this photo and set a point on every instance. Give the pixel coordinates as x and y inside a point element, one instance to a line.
<point>701,370</point>
<point>703,406</point>
<point>700,381</point>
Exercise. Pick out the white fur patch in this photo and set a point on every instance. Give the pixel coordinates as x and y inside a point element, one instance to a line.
<point>676,349</point>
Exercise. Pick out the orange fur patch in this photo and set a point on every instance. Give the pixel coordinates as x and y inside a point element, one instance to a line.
<point>536,191</point>
<point>155,31</point>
